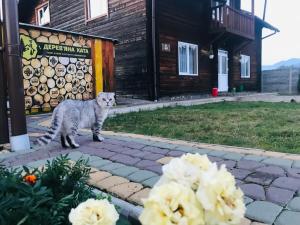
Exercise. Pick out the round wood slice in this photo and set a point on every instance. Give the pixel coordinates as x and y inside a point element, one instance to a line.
<point>73,60</point>
<point>81,89</point>
<point>47,97</point>
<point>46,106</point>
<point>28,72</point>
<point>34,81</point>
<point>82,41</point>
<point>62,91</point>
<point>49,71</point>
<point>76,44</point>
<point>75,38</point>
<point>80,74</point>
<point>42,39</point>
<point>38,72</point>
<point>89,43</point>
<point>74,90</point>
<point>38,99</point>
<point>55,77</point>
<point>87,62</point>
<point>75,82</point>
<point>28,102</point>
<point>43,79</point>
<point>68,87</point>
<point>62,38</point>
<point>35,63</point>
<point>60,98</point>
<point>89,87</point>
<point>53,39</point>
<point>60,70</point>
<point>25,62</point>
<point>53,60</point>
<point>79,96</point>
<point>83,83</point>
<point>88,77</point>
<point>85,68</point>
<point>54,102</point>
<point>31,91</point>
<point>79,65</point>
<point>86,96</point>
<point>70,96</point>
<point>54,92</point>
<point>71,69</point>
<point>64,60</point>
<point>50,83</point>
<point>44,62</point>
<point>81,60</point>
<point>34,33</point>
<point>60,82</point>
<point>23,31</point>
<point>43,89</point>
<point>46,33</point>
<point>69,42</point>
<point>69,77</point>
<point>90,69</point>
<point>26,84</point>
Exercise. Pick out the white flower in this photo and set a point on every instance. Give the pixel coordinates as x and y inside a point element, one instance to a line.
<point>94,212</point>
<point>170,204</point>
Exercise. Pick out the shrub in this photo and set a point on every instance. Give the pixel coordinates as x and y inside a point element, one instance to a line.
<point>43,197</point>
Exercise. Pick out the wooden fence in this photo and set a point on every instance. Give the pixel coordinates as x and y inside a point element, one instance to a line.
<point>284,81</point>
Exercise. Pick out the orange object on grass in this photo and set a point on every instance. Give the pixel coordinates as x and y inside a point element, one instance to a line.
<point>31,179</point>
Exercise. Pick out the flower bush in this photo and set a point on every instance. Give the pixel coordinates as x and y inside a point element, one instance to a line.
<point>193,191</point>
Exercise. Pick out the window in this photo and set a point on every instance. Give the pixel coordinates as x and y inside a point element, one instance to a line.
<point>188,59</point>
<point>43,15</point>
<point>97,8</point>
<point>245,66</point>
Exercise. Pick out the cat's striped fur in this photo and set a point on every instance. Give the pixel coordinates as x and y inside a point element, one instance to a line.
<point>71,115</point>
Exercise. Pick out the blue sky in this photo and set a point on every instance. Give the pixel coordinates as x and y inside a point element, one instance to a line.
<point>283,14</point>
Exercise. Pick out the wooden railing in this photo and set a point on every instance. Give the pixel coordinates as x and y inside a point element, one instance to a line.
<point>232,20</point>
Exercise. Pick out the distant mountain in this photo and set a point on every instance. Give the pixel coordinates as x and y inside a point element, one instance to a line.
<point>295,62</point>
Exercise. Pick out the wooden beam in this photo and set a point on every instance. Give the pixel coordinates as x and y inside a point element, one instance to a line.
<point>253,6</point>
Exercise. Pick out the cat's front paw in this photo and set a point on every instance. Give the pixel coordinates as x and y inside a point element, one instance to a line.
<point>98,138</point>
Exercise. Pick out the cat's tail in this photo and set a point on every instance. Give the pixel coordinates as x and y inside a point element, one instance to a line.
<point>57,118</point>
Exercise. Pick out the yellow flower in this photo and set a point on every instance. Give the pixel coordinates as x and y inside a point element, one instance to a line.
<point>171,204</point>
<point>222,201</point>
<point>94,212</point>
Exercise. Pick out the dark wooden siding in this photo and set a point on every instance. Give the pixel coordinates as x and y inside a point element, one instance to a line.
<point>126,22</point>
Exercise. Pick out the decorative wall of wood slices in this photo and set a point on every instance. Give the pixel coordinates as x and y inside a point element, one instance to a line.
<point>50,79</point>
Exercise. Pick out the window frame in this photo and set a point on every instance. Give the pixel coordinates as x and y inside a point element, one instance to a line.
<point>243,57</point>
<point>37,13</point>
<point>87,11</point>
<point>188,45</point>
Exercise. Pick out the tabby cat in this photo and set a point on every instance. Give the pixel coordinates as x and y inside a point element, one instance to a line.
<point>71,115</point>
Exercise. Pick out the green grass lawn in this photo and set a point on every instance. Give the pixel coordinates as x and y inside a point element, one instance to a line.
<point>270,126</point>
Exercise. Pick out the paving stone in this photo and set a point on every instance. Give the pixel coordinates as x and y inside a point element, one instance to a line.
<point>151,182</point>
<point>97,176</point>
<point>105,154</point>
<point>216,153</point>
<point>294,204</point>
<point>99,163</point>
<point>110,182</point>
<point>112,166</point>
<point>141,176</point>
<point>245,221</point>
<point>296,164</point>
<point>265,212</point>
<point>249,165</point>
<point>214,159</point>
<point>272,170</point>
<point>156,150</point>
<point>228,163</point>
<point>126,189</point>
<point>253,191</point>
<point>133,145</point>
<point>75,155</point>
<point>279,196</point>
<point>174,153</point>
<point>188,149</point>
<point>260,178</point>
<point>155,169</point>
<point>288,218</point>
<point>124,171</point>
<point>240,174</point>
<point>285,163</point>
<point>256,158</point>
<point>247,200</point>
<point>94,158</point>
<point>165,160</point>
<point>288,183</point>
<point>125,159</point>
<point>152,156</point>
<point>295,173</point>
<point>133,152</point>
<point>146,163</point>
<point>164,145</point>
<point>94,170</point>
<point>138,196</point>
<point>257,223</point>
<point>233,156</point>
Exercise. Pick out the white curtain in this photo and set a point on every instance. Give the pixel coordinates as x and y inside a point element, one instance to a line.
<point>183,59</point>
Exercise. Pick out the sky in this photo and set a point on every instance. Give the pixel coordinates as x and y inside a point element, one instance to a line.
<point>283,14</point>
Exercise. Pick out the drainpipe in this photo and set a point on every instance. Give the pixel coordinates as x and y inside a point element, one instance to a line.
<point>19,138</point>
<point>154,50</point>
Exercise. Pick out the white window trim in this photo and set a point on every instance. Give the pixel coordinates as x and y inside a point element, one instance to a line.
<point>88,11</point>
<point>243,57</point>
<point>38,14</point>
<point>188,58</point>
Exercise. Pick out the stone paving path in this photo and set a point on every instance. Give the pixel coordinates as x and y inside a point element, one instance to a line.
<point>128,166</point>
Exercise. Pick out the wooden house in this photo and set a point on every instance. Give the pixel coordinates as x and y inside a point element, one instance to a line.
<point>166,47</point>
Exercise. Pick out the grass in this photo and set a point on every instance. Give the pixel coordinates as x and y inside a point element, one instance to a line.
<point>269,126</point>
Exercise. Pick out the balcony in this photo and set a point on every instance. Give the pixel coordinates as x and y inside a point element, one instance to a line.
<point>228,19</point>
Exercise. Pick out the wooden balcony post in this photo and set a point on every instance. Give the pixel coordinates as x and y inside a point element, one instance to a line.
<point>253,6</point>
